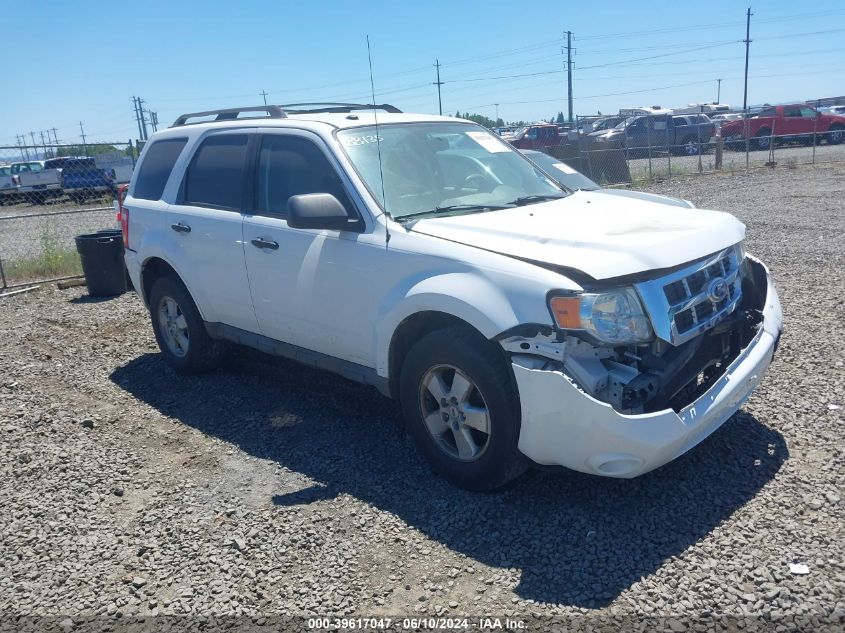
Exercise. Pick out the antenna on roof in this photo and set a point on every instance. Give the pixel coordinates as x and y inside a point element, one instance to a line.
<point>378,141</point>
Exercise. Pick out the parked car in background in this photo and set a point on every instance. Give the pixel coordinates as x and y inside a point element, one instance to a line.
<point>7,186</point>
<point>535,136</point>
<point>680,134</point>
<point>35,182</point>
<point>574,180</point>
<point>81,179</point>
<point>784,123</point>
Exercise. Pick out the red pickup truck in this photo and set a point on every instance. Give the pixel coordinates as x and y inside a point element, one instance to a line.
<point>797,122</point>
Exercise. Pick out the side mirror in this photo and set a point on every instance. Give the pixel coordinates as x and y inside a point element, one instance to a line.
<point>320,211</point>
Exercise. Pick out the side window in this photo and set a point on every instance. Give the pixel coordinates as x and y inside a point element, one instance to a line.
<point>36,167</point>
<point>791,111</point>
<point>769,112</point>
<point>808,113</point>
<point>156,168</point>
<point>290,166</point>
<point>215,175</point>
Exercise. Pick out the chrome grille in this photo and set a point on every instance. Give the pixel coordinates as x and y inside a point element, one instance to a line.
<point>689,301</point>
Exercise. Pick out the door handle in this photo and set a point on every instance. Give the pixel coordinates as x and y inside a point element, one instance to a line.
<point>181,228</point>
<point>262,243</point>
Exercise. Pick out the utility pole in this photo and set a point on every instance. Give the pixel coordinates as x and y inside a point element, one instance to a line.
<point>137,117</point>
<point>438,83</point>
<point>43,144</point>
<point>569,71</point>
<point>497,113</point>
<point>143,116</point>
<point>34,146</point>
<point>55,138</point>
<point>264,94</point>
<point>84,144</point>
<point>154,121</point>
<point>719,91</point>
<point>747,41</point>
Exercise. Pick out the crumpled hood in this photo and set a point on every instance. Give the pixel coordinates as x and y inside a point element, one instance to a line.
<point>596,233</point>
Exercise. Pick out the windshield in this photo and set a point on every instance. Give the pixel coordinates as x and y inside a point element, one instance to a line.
<point>446,168</point>
<point>562,173</point>
<point>627,122</point>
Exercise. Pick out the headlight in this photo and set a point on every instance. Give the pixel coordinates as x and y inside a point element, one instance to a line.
<point>615,317</point>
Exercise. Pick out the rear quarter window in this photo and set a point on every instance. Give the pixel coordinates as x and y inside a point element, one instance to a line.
<point>156,167</point>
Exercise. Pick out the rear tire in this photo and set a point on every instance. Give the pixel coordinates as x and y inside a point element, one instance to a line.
<point>180,330</point>
<point>762,140</point>
<point>460,407</point>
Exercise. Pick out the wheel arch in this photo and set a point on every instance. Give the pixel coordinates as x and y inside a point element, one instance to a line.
<point>412,329</point>
<point>155,267</point>
<point>458,299</point>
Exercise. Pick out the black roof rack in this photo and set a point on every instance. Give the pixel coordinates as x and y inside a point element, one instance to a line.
<point>231,114</point>
<point>320,107</point>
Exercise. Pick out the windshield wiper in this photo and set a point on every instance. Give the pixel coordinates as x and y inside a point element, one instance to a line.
<point>456,207</point>
<point>523,200</point>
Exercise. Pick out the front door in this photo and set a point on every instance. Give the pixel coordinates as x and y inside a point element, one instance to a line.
<point>309,286</point>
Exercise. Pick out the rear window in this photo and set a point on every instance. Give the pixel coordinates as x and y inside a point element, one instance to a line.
<point>5,171</point>
<point>156,168</point>
<point>215,176</point>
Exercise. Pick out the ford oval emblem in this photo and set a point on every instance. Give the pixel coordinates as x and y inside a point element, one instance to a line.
<point>717,290</point>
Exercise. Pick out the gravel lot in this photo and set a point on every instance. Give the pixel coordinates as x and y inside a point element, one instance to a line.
<point>268,489</point>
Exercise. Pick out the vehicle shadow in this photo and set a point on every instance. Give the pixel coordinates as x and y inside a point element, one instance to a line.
<point>577,539</point>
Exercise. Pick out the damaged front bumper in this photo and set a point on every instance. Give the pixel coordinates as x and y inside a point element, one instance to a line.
<point>563,425</point>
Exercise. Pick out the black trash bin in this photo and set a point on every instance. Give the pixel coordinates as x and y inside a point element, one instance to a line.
<point>102,262</point>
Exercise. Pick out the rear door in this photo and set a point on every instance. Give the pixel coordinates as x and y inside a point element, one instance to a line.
<point>208,228</point>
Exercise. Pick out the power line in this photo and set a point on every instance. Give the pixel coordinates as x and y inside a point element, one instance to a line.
<point>638,59</point>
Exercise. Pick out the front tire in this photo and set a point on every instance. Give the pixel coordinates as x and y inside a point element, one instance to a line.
<point>460,407</point>
<point>836,135</point>
<point>690,146</point>
<point>180,331</point>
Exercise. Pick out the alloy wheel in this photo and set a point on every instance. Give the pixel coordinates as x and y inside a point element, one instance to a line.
<point>455,413</point>
<point>173,326</point>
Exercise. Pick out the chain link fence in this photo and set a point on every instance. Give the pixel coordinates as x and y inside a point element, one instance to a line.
<point>637,149</point>
<point>48,195</point>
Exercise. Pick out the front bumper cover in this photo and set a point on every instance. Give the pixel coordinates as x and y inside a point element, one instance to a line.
<point>562,425</point>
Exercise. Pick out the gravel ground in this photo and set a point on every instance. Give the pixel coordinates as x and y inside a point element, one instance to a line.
<point>269,489</point>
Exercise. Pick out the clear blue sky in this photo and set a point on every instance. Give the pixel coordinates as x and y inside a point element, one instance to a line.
<point>82,61</point>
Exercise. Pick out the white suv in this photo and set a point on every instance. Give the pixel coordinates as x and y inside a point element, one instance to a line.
<point>514,320</point>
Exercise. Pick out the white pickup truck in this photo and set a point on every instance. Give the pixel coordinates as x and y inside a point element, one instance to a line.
<point>36,183</point>
<point>516,321</point>
<point>7,184</point>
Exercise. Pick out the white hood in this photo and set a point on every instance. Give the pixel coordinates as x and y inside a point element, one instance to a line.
<point>598,234</point>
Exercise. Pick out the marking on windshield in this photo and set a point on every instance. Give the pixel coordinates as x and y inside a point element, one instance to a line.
<point>352,141</point>
<point>488,142</point>
<point>566,169</point>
